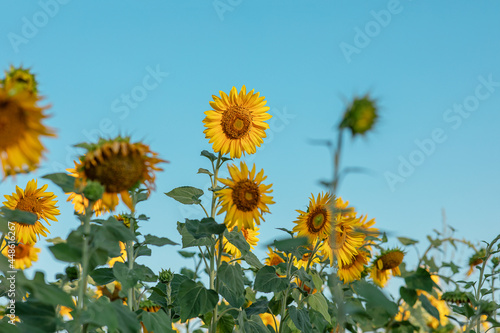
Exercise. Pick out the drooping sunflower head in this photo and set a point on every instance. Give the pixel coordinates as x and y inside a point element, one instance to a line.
<point>34,200</point>
<point>236,124</point>
<point>20,131</point>
<point>316,222</point>
<point>476,259</point>
<point>23,255</point>
<point>353,271</point>
<point>119,166</point>
<point>387,261</point>
<point>360,116</point>
<point>19,79</point>
<point>245,199</point>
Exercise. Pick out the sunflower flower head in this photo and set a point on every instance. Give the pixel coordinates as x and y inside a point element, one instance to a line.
<point>20,79</point>
<point>119,166</point>
<point>315,223</point>
<point>354,270</point>
<point>20,130</point>
<point>34,200</point>
<point>236,124</point>
<point>23,255</point>
<point>360,116</point>
<point>476,259</point>
<point>457,297</point>
<point>245,199</point>
<point>385,262</point>
<point>149,306</point>
<point>273,258</point>
<point>231,250</point>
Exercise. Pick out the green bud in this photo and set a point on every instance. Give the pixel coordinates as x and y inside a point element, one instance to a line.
<point>72,273</point>
<point>360,116</point>
<point>166,276</point>
<point>93,191</point>
<point>19,80</point>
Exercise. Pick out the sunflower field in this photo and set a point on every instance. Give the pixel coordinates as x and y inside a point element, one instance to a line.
<point>326,272</point>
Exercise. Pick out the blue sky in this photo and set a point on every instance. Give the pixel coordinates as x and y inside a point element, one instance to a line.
<point>433,68</point>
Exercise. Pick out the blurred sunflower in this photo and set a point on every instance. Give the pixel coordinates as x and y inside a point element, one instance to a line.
<point>250,236</point>
<point>388,260</point>
<point>119,166</point>
<point>302,262</point>
<point>121,258</point>
<point>36,201</point>
<point>316,222</point>
<point>273,258</point>
<point>245,199</point>
<point>111,291</point>
<point>270,319</point>
<point>24,255</point>
<point>20,131</point>
<point>476,259</point>
<point>236,124</point>
<point>353,271</point>
<point>19,79</point>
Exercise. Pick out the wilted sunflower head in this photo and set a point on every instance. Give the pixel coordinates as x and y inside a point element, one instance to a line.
<point>20,131</point>
<point>19,79</point>
<point>34,200</point>
<point>119,166</point>
<point>236,124</point>
<point>360,116</point>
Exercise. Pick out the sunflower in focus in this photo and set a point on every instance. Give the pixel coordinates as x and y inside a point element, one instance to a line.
<point>353,271</point>
<point>245,199</point>
<point>119,166</point>
<point>34,200</point>
<point>20,130</point>
<point>316,222</point>
<point>236,124</point>
<point>24,255</point>
<point>250,236</point>
<point>387,261</point>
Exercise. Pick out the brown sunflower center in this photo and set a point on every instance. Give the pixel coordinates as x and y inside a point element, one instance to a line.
<point>236,122</point>
<point>117,172</point>
<point>246,195</point>
<point>13,124</point>
<point>317,220</point>
<point>22,251</point>
<point>340,238</point>
<point>390,260</point>
<point>29,204</point>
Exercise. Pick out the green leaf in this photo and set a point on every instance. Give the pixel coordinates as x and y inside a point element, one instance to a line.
<point>205,171</point>
<point>257,307</point>
<point>102,276</point>
<point>426,304</point>
<point>186,254</point>
<point>407,241</point>
<point>421,279</point>
<point>158,241</point>
<point>408,295</point>
<point>209,155</point>
<point>374,296</point>
<point>65,252</point>
<point>188,239</point>
<point>204,228</point>
<point>300,318</point>
<point>16,215</point>
<point>318,302</point>
<point>127,277</point>
<point>63,180</point>
<point>252,260</point>
<point>291,245</point>
<point>236,238</point>
<point>187,195</point>
<point>194,299</point>
<point>156,321</point>
<point>115,316</point>
<point>45,293</point>
<point>37,317</point>
<point>5,327</point>
<point>225,324</point>
<point>254,325</point>
<point>231,287</point>
<point>144,273</point>
<point>268,281</point>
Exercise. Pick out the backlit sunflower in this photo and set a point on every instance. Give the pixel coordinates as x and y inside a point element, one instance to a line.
<point>119,166</point>
<point>23,255</point>
<point>353,271</point>
<point>245,199</point>
<point>387,261</point>
<point>251,238</point>
<point>316,222</point>
<point>20,131</point>
<point>236,124</point>
<point>37,201</point>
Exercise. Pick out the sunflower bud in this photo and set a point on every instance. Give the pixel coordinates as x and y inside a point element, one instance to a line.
<point>166,276</point>
<point>18,80</point>
<point>457,297</point>
<point>72,273</point>
<point>93,191</point>
<point>360,116</point>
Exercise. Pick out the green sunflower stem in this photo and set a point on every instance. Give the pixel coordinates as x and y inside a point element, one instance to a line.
<point>336,163</point>
<point>285,295</point>
<point>82,288</point>
<point>131,257</point>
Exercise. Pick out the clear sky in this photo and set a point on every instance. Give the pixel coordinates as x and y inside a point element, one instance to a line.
<point>149,69</point>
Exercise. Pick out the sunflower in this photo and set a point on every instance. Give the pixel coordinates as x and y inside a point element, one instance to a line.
<point>20,131</point>
<point>237,122</point>
<point>476,259</point>
<point>37,201</point>
<point>316,222</point>
<point>270,319</point>
<point>273,258</point>
<point>251,238</point>
<point>302,262</point>
<point>119,166</point>
<point>388,260</point>
<point>111,291</point>
<point>245,199</point>
<point>19,79</point>
<point>353,271</point>
<point>80,202</point>
<point>121,258</point>
<point>345,238</point>
<point>23,255</point>
<point>360,116</point>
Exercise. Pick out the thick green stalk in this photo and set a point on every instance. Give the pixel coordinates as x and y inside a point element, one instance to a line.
<point>85,260</point>
<point>285,295</point>
<point>131,257</point>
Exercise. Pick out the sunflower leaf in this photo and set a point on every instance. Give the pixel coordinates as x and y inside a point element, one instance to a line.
<point>116,316</point>
<point>158,241</point>
<point>205,171</point>
<point>21,216</point>
<point>63,180</point>
<point>194,299</point>
<point>291,245</point>
<point>426,304</point>
<point>156,321</point>
<point>421,279</point>
<point>209,155</point>
<point>188,240</point>
<point>300,318</point>
<point>204,228</point>
<point>230,280</point>
<point>103,276</point>
<point>186,195</point>
<point>407,241</point>
<point>375,297</point>
<point>268,281</point>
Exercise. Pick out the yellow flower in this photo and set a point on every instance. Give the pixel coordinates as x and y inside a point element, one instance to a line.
<point>273,258</point>
<point>23,255</point>
<point>37,201</point>
<point>251,238</point>
<point>121,258</point>
<point>403,314</point>
<point>20,131</point>
<point>236,124</point>
<point>387,261</point>
<point>19,79</point>
<point>245,199</point>
<point>65,311</point>
<point>111,291</point>
<point>476,259</point>
<point>353,271</point>
<point>270,319</point>
<point>119,166</point>
<point>302,262</point>
<point>316,222</point>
